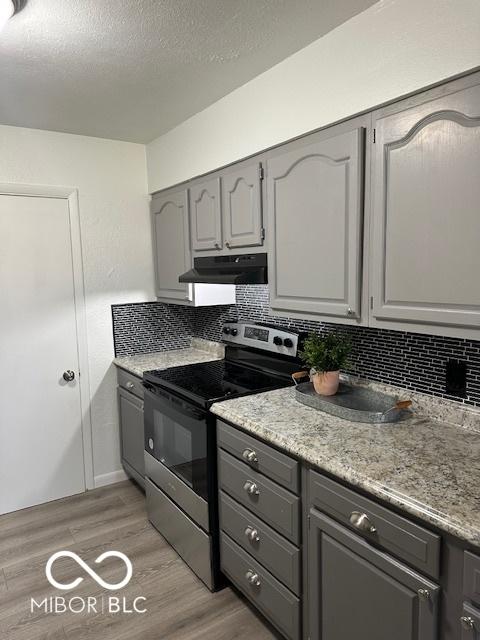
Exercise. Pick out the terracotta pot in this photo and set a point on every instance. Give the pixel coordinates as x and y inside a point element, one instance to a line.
<point>326,383</point>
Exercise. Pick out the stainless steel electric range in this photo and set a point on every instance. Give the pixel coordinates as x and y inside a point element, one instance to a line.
<point>180,435</point>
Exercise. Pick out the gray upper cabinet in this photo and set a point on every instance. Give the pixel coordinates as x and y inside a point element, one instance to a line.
<point>171,244</point>
<point>356,591</point>
<point>315,211</point>
<point>426,219</point>
<point>206,215</point>
<point>242,206</point>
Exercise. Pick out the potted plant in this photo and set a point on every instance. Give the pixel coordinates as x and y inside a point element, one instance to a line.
<point>326,355</point>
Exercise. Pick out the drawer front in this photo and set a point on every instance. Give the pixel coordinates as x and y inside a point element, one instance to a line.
<point>178,491</point>
<point>130,382</point>
<point>264,544</point>
<point>259,456</point>
<point>470,623</point>
<point>404,539</point>
<point>272,503</point>
<point>471,577</point>
<point>275,601</point>
<point>190,542</point>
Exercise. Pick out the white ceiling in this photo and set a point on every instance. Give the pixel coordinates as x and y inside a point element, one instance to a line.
<point>133,69</point>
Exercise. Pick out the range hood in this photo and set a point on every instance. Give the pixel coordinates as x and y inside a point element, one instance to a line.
<point>248,268</point>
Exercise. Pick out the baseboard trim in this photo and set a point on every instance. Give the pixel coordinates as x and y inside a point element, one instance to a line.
<point>110,478</point>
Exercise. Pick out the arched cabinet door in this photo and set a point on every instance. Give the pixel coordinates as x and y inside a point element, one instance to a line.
<point>171,244</point>
<point>315,210</point>
<point>206,215</point>
<point>242,206</point>
<point>426,212</point>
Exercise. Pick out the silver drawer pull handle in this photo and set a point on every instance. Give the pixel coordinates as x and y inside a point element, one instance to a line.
<point>250,456</point>
<point>467,622</point>
<point>251,488</point>
<point>424,594</point>
<point>130,385</point>
<point>252,534</point>
<point>253,578</point>
<point>362,522</point>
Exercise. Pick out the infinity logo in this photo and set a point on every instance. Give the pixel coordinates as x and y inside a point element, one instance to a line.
<point>86,568</point>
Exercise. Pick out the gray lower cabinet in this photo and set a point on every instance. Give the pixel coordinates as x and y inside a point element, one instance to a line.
<point>260,524</point>
<point>276,602</point>
<point>357,591</point>
<point>131,434</point>
<point>315,213</point>
<point>171,244</point>
<point>426,223</point>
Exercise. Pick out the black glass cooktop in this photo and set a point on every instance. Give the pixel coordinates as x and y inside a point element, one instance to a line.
<point>209,382</point>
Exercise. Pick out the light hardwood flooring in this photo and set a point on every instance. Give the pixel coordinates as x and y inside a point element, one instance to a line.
<point>179,606</point>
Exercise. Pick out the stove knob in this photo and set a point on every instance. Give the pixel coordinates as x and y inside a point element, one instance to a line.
<point>226,330</point>
<point>234,332</point>
<point>288,343</point>
<point>278,341</point>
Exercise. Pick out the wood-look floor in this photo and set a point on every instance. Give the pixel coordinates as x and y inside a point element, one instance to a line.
<point>179,606</point>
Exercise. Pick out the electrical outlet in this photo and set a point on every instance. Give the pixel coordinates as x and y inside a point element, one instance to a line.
<point>456,378</point>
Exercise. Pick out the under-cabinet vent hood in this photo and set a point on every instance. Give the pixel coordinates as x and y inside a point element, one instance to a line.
<point>248,268</point>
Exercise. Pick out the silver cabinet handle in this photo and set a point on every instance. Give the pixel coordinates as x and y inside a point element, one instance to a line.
<point>217,245</point>
<point>130,385</point>
<point>150,443</point>
<point>68,375</point>
<point>362,522</point>
<point>250,456</point>
<point>253,578</point>
<point>467,622</point>
<point>251,488</point>
<point>350,312</point>
<point>424,594</point>
<point>252,534</point>
<point>227,244</point>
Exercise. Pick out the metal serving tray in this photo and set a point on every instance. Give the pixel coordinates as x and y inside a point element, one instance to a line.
<point>354,403</point>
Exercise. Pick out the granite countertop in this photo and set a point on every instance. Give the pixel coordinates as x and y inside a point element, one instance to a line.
<point>428,467</point>
<point>199,351</point>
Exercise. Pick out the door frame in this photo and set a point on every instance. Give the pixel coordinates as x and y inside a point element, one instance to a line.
<point>70,194</point>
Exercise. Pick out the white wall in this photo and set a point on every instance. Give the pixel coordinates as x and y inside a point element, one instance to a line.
<point>392,48</point>
<point>114,218</point>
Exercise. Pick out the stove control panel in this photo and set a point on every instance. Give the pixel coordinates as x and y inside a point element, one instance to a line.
<point>271,339</point>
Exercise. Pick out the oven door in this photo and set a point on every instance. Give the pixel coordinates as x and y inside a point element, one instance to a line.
<point>176,435</point>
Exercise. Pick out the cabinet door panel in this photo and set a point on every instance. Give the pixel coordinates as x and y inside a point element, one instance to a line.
<point>425,213</point>
<point>359,592</point>
<point>131,430</point>
<point>205,207</point>
<point>242,207</point>
<point>171,244</point>
<point>315,208</point>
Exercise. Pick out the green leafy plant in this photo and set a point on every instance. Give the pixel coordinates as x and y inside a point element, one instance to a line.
<point>329,352</point>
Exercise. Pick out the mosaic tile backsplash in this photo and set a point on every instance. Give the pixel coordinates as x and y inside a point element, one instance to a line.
<point>410,360</point>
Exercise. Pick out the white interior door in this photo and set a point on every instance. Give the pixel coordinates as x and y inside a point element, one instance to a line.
<point>41,446</point>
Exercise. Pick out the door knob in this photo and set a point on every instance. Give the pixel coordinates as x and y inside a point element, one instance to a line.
<point>362,522</point>
<point>467,622</point>
<point>252,534</point>
<point>250,456</point>
<point>251,488</point>
<point>253,578</point>
<point>68,375</point>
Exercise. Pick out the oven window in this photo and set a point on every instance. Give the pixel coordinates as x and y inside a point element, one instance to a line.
<point>181,445</point>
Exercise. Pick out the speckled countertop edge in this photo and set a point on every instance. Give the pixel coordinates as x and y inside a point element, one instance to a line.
<point>199,351</point>
<point>426,467</point>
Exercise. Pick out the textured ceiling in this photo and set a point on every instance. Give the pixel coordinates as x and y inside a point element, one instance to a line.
<point>133,69</point>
